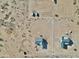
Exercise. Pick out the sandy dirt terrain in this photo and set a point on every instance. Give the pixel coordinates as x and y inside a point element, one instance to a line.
<point>19,28</point>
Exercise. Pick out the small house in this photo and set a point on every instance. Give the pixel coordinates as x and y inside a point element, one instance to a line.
<point>65,42</point>
<point>40,41</point>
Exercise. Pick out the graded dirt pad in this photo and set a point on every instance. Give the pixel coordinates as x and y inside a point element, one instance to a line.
<point>19,29</point>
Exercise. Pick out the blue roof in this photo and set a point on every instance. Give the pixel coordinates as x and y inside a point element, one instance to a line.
<point>40,41</point>
<point>66,42</point>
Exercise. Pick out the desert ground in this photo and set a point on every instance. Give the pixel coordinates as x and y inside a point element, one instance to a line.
<point>19,28</point>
